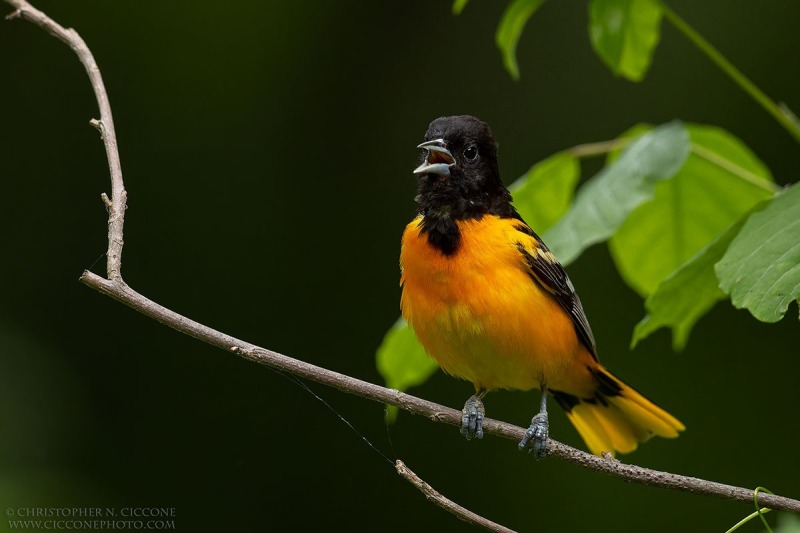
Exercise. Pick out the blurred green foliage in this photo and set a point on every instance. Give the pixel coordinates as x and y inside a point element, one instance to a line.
<point>761,268</point>
<point>719,182</point>
<point>606,200</point>
<point>510,29</point>
<point>687,294</point>
<point>625,33</point>
<point>544,193</point>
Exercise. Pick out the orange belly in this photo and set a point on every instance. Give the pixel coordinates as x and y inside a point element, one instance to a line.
<point>480,314</point>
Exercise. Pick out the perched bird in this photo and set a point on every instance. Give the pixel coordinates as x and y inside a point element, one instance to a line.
<point>492,305</point>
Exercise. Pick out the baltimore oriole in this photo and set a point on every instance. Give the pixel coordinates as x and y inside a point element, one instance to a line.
<point>492,305</point>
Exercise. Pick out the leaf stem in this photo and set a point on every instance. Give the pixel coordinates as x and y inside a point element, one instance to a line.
<point>734,169</point>
<point>604,147</point>
<point>747,518</point>
<point>598,148</point>
<point>734,73</point>
<point>761,511</point>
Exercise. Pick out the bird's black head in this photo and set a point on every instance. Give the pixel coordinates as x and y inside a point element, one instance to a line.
<point>458,178</point>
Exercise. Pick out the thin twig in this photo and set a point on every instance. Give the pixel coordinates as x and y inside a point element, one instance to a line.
<point>118,203</point>
<point>448,505</point>
<point>117,289</point>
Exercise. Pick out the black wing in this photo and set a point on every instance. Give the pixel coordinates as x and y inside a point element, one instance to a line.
<point>548,272</point>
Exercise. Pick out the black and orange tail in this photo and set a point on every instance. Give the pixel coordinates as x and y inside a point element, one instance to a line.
<point>617,418</point>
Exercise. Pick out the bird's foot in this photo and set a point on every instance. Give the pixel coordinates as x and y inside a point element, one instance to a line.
<point>536,436</point>
<point>472,418</point>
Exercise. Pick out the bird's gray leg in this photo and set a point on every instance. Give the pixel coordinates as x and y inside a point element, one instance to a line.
<point>472,416</point>
<point>536,436</point>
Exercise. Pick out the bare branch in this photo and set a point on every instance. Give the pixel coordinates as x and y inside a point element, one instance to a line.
<point>448,505</point>
<point>116,288</point>
<point>116,207</point>
<point>438,413</point>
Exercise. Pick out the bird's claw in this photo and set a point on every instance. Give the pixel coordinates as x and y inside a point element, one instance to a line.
<point>536,436</point>
<point>472,418</point>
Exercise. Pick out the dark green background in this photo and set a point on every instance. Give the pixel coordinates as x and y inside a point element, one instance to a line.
<point>267,149</point>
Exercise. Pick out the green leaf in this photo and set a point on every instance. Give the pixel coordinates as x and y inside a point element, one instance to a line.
<point>458,6</point>
<point>510,29</point>
<point>761,269</point>
<point>606,200</point>
<point>402,361</point>
<point>687,294</point>
<point>720,181</point>
<point>543,194</point>
<point>624,33</point>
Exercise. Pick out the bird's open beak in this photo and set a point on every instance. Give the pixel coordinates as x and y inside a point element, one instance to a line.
<point>438,159</point>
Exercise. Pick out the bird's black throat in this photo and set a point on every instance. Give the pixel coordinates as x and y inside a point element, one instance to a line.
<point>442,206</point>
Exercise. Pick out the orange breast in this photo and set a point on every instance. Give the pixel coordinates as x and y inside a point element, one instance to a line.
<point>479,313</point>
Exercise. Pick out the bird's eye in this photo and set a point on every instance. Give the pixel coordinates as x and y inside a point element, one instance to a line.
<point>471,152</point>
